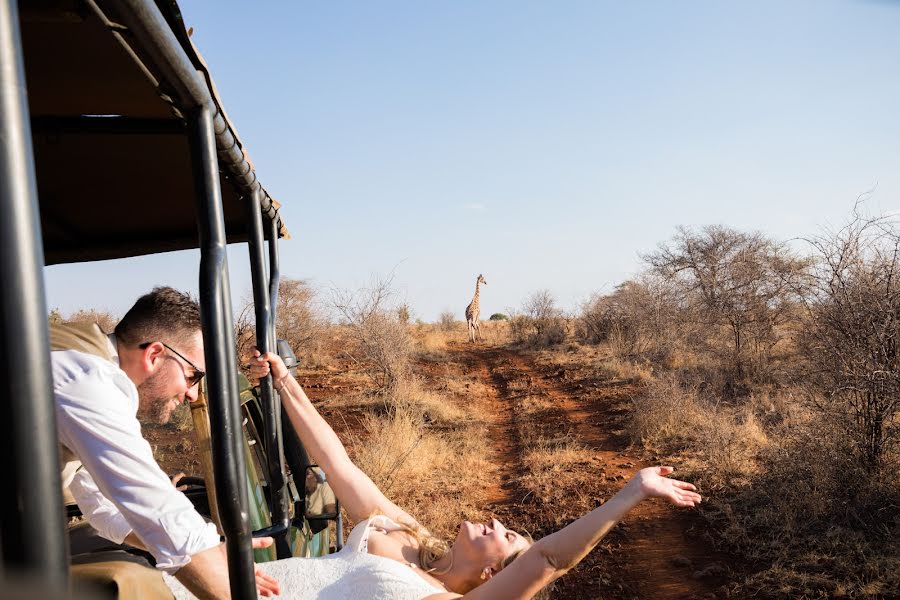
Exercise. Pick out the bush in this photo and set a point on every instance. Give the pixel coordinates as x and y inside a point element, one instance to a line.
<point>299,320</point>
<point>381,340</point>
<point>852,342</point>
<point>498,317</point>
<point>404,314</point>
<point>541,323</point>
<point>105,320</point>
<point>676,417</point>
<point>814,522</point>
<point>642,319</point>
<point>740,287</point>
<point>447,321</point>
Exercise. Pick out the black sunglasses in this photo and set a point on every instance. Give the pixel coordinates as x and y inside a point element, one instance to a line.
<point>195,377</point>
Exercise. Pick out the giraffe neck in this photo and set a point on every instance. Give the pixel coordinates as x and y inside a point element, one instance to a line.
<point>477,292</point>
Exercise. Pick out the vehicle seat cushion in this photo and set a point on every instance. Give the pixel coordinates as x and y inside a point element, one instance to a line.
<point>123,579</point>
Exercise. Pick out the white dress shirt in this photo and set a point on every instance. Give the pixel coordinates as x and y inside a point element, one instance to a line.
<point>121,488</point>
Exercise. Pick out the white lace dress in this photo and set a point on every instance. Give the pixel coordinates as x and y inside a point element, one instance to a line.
<point>350,574</point>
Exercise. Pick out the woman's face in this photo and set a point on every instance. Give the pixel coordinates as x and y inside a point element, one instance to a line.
<point>483,546</point>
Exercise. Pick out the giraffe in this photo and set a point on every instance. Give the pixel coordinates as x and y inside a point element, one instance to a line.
<point>473,310</point>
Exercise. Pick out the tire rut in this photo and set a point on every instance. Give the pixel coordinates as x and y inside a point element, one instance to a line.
<point>503,435</point>
<point>651,554</point>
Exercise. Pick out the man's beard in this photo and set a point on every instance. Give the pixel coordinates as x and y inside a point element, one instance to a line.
<point>153,406</point>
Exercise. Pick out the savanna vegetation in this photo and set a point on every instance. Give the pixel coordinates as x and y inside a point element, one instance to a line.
<point>768,373</point>
<point>772,377</point>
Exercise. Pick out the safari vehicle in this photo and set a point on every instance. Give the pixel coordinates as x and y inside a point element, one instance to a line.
<point>119,146</point>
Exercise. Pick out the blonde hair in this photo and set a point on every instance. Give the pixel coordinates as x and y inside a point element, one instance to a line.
<point>431,548</point>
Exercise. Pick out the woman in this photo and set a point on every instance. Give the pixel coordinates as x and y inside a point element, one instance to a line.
<point>388,555</point>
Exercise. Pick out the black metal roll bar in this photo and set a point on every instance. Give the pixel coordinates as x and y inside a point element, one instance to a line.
<point>213,146</point>
<point>189,87</point>
<point>32,518</point>
<point>31,513</point>
<point>221,359</point>
<point>271,405</point>
<point>274,269</point>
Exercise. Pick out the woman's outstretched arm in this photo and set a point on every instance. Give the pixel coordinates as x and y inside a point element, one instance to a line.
<point>358,494</point>
<point>551,557</point>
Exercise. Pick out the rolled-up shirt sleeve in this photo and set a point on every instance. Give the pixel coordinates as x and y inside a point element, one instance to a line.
<point>96,419</point>
<point>97,509</point>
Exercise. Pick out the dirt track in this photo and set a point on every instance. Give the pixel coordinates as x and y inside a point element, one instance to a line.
<point>654,553</point>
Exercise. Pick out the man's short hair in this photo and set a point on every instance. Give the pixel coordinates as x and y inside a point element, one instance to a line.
<point>165,315</point>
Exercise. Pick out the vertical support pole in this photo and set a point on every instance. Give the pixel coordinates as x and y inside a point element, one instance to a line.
<point>31,515</point>
<point>295,453</point>
<point>271,404</point>
<point>274,273</point>
<point>339,529</point>
<point>274,281</point>
<point>227,435</point>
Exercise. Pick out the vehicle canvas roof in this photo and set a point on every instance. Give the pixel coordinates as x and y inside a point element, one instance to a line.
<point>111,146</point>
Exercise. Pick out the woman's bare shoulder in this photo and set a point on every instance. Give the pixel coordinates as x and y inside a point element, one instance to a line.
<point>395,544</point>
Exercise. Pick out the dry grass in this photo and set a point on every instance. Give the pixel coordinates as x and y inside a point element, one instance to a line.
<point>783,493</point>
<point>436,477</point>
<point>409,396</point>
<point>494,333</point>
<point>814,527</point>
<point>429,405</point>
<point>551,458</point>
<point>666,414</point>
<point>430,341</point>
<point>362,400</point>
<point>464,387</point>
<point>318,356</point>
<point>680,360</point>
<point>596,360</point>
<point>626,370</point>
<point>531,405</point>
<point>781,496</point>
<point>574,353</point>
<point>433,338</point>
<point>421,448</point>
<point>676,418</point>
<point>550,464</point>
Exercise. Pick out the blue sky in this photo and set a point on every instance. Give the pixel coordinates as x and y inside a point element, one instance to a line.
<point>543,144</point>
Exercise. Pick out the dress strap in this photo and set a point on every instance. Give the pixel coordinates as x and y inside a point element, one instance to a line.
<point>359,537</point>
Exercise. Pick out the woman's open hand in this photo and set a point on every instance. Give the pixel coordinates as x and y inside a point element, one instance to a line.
<point>266,585</point>
<point>653,483</point>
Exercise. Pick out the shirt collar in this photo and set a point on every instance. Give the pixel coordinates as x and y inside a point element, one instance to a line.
<point>113,347</point>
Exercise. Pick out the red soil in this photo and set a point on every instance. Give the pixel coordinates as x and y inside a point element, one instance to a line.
<point>658,552</point>
<point>654,553</point>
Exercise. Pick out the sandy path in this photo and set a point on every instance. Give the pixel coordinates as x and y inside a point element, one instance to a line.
<point>651,554</point>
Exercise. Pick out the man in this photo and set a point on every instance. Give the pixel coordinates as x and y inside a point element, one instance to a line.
<point>320,499</point>
<point>102,384</point>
